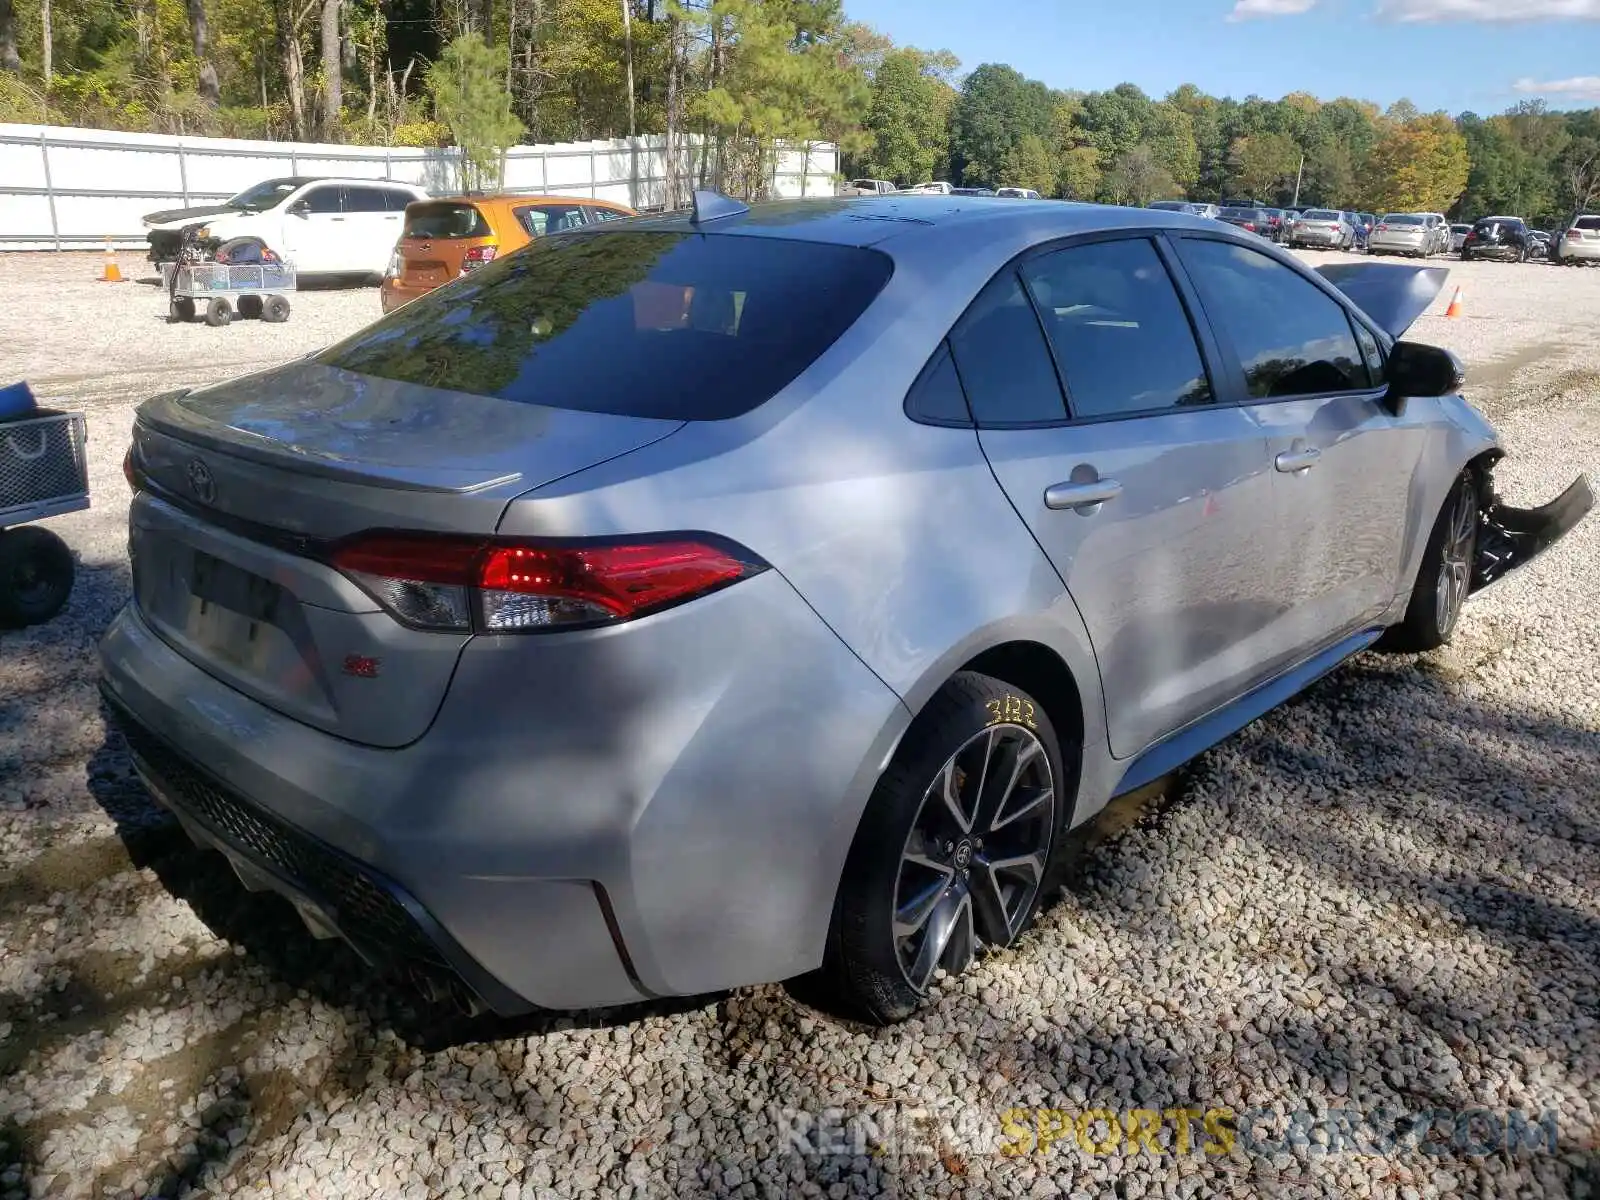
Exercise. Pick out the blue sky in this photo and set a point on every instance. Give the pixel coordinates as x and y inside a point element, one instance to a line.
<point>1482,55</point>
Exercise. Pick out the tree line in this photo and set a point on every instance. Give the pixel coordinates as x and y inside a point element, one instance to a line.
<point>743,75</point>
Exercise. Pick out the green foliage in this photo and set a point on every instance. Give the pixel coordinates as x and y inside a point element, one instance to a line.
<point>908,120</point>
<point>1137,177</point>
<point>996,110</point>
<point>745,74</point>
<point>1263,163</point>
<point>469,95</point>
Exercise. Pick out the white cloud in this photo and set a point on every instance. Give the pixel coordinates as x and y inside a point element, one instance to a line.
<point>1246,10</point>
<point>1488,10</point>
<point>1579,87</point>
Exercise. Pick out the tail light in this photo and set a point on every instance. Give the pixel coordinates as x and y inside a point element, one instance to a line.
<point>1250,225</point>
<point>1575,234</point>
<point>392,271</point>
<point>1471,237</point>
<point>456,584</point>
<point>475,257</point>
<point>1381,227</point>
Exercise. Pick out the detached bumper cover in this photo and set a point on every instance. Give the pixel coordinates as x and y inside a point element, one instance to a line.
<point>1509,537</point>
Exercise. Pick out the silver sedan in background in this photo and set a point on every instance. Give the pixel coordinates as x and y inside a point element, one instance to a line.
<point>708,599</point>
<point>1401,233</point>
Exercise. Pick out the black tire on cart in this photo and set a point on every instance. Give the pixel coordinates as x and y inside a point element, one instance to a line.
<point>36,573</point>
<point>276,309</point>
<point>250,308</point>
<point>218,312</point>
<point>181,309</point>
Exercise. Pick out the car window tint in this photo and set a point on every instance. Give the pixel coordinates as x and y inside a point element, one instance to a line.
<point>936,395</point>
<point>365,200</point>
<point>540,219</point>
<point>1002,357</point>
<point>1291,337</point>
<point>680,326</point>
<point>605,214</point>
<point>1120,333</point>
<point>324,200</point>
<point>1586,223</point>
<point>395,200</point>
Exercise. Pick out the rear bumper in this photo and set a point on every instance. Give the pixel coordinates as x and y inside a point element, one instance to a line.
<point>1587,250</point>
<point>594,819</point>
<point>393,293</point>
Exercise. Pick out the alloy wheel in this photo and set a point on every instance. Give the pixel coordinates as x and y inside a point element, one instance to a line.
<point>975,857</point>
<point>1455,566</point>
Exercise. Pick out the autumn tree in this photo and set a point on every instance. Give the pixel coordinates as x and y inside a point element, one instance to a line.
<point>1419,166</point>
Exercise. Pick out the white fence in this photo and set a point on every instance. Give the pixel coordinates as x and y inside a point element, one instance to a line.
<point>63,189</point>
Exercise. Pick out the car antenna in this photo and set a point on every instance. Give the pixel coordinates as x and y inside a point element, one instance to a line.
<point>713,206</point>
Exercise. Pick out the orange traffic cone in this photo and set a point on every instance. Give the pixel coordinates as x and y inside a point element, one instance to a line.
<point>112,273</point>
<point>1454,310</point>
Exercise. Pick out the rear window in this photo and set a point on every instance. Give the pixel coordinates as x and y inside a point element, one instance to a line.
<point>1249,214</point>
<point>1402,219</point>
<point>1494,222</point>
<point>682,326</point>
<point>440,222</point>
<point>1586,223</point>
<point>1319,214</point>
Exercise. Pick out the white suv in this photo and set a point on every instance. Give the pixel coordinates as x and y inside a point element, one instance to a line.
<point>322,226</point>
<point>1580,241</point>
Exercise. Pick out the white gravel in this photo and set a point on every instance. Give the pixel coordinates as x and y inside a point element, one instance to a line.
<point>1384,896</point>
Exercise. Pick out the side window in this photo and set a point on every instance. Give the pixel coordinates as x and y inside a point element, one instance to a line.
<point>1002,359</point>
<point>936,396</point>
<point>366,200</point>
<point>1291,337</point>
<point>1121,336</point>
<point>323,200</point>
<point>540,219</point>
<point>395,200</point>
<point>605,214</point>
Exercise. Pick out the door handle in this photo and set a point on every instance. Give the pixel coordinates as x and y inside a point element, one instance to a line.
<point>338,218</point>
<point>1293,461</point>
<point>1085,497</point>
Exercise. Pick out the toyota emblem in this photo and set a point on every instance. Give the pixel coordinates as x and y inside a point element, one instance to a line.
<point>200,482</point>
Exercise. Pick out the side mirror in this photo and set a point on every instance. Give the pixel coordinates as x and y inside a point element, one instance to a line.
<point>299,208</point>
<point>1418,370</point>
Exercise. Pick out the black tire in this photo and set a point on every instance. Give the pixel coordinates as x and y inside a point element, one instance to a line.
<point>1465,257</point>
<point>869,967</point>
<point>276,310</point>
<point>250,308</point>
<point>36,573</point>
<point>218,313</point>
<point>181,309</point>
<point>1452,545</point>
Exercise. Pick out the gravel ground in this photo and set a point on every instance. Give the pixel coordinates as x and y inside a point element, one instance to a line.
<point>1385,897</point>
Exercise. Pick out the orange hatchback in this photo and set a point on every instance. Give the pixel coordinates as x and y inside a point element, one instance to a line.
<point>444,239</point>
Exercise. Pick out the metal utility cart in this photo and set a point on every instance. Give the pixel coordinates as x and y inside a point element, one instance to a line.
<point>43,473</point>
<point>217,291</point>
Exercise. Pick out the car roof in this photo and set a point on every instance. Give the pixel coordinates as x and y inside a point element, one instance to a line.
<point>871,220</point>
<point>501,199</point>
<point>300,180</point>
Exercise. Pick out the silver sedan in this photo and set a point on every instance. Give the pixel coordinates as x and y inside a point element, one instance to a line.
<point>702,600</point>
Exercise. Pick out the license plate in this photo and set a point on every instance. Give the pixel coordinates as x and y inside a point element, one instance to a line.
<point>215,583</point>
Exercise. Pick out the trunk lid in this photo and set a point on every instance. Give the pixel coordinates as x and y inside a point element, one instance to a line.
<point>246,485</point>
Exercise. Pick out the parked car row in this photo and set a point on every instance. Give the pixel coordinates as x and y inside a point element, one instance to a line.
<point>371,227</point>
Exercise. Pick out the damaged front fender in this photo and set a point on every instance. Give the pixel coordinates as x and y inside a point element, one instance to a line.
<point>1508,537</point>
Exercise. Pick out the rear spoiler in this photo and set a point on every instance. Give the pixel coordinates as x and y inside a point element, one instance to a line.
<point>1391,294</point>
